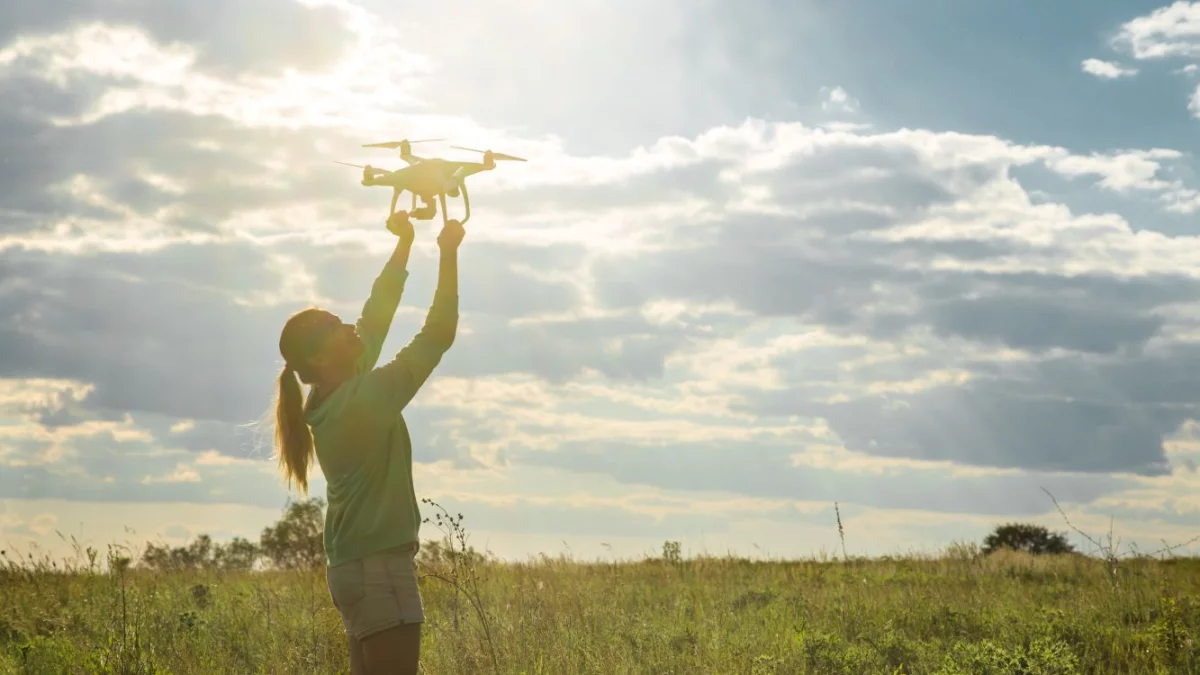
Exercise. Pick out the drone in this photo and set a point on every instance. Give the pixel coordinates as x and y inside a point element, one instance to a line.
<point>428,178</point>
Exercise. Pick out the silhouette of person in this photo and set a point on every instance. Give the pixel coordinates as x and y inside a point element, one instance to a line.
<point>351,422</point>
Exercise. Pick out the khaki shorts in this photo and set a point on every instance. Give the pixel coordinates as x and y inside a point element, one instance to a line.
<point>377,592</point>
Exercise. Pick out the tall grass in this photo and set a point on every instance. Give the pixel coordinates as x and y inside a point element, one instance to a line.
<point>956,613</point>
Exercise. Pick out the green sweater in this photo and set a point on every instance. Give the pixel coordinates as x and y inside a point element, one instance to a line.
<point>362,443</point>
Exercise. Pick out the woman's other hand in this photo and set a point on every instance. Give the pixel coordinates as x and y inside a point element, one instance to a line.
<point>451,236</point>
<point>400,225</point>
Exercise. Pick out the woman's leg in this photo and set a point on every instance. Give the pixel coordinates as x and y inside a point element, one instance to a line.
<point>393,651</point>
<point>380,590</point>
<point>357,665</point>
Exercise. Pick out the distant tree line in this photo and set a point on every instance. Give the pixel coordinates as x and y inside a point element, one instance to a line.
<point>293,542</point>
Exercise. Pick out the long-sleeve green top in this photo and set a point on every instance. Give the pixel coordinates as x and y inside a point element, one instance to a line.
<point>361,440</point>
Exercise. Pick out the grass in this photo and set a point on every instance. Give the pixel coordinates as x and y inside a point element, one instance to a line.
<point>959,613</point>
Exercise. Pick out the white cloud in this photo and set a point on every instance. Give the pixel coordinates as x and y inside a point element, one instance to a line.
<point>1170,31</point>
<point>26,442</point>
<point>25,395</point>
<point>1107,69</point>
<point>838,100</point>
<point>1120,172</point>
<point>364,91</point>
<point>116,52</point>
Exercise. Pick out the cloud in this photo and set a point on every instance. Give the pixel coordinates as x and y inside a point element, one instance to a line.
<point>192,330</point>
<point>137,73</point>
<point>1018,419</point>
<point>1107,69</point>
<point>848,268</point>
<point>739,317</point>
<point>765,471</point>
<point>1033,324</point>
<point>229,37</point>
<point>1136,169</point>
<point>1170,31</point>
<point>838,100</point>
<point>126,461</point>
<point>908,235</point>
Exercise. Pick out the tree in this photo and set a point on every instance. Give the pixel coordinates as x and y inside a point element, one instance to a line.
<point>296,540</point>
<point>202,553</point>
<point>238,554</point>
<point>1026,537</point>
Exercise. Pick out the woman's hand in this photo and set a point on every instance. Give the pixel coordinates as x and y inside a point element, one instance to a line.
<point>399,224</point>
<point>451,236</point>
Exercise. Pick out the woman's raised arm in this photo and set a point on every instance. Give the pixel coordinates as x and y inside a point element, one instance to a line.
<point>395,383</point>
<point>380,308</point>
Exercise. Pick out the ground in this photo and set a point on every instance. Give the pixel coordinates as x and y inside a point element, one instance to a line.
<point>957,613</point>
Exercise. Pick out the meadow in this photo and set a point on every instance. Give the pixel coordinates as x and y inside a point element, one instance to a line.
<point>956,613</point>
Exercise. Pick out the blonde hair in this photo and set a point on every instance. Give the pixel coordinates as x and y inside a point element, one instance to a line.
<point>293,438</point>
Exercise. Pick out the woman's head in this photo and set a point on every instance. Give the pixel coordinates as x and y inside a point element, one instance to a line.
<point>316,346</point>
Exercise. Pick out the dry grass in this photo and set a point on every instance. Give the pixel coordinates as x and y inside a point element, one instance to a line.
<point>957,613</point>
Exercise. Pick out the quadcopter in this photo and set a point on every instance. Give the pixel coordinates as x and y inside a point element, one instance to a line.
<point>428,178</point>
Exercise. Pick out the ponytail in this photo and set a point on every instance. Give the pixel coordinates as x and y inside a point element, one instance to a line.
<point>293,440</point>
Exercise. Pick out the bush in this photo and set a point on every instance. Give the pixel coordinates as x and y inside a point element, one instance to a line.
<point>1028,538</point>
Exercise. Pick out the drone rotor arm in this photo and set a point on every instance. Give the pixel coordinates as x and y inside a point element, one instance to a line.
<point>464,169</point>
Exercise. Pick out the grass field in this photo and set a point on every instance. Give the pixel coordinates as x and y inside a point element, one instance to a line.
<point>958,613</point>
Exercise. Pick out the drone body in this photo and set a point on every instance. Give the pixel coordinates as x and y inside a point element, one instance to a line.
<point>430,179</point>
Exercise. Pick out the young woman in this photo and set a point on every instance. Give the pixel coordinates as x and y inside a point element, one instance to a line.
<point>351,423</point>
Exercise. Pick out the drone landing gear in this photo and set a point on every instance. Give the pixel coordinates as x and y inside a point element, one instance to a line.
<point>429,210</point>
<point>466,205</point>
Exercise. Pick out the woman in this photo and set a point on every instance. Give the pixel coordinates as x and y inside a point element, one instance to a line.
<point>351,423</point>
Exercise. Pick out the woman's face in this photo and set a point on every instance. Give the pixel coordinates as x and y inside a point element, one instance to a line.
<point>335,343</point>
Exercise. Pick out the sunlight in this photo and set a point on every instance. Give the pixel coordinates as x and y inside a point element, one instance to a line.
<point>797,303</point>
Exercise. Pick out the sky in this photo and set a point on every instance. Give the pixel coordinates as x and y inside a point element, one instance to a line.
<point>933,262</point>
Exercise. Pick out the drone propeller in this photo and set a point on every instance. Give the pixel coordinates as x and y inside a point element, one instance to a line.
<point>495,155</point>
<point>373,169</point>
<point>392,145</point>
